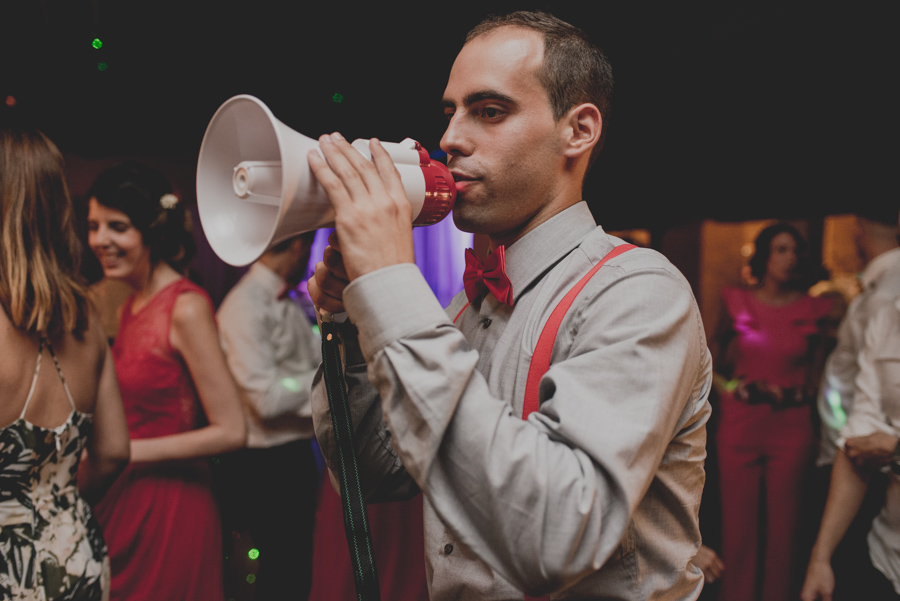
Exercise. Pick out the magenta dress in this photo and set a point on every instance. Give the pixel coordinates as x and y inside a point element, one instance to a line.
<point>766,450</point>
<point>160,520</point>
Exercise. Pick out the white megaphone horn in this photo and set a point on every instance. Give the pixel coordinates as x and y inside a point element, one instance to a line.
<point>255,187</point>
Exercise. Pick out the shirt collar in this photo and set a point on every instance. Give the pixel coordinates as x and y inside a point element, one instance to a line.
<point>540,249</point>
<point>266,278</point>
<point>877,266</point>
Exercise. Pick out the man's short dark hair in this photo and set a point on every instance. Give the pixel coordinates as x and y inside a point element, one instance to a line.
<point>575,70</point>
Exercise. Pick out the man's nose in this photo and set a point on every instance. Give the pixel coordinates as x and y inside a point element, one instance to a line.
<point>454,141</point>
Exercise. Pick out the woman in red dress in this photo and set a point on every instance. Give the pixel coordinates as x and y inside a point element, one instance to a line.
<point>768,354</point>
<point>160,518</point>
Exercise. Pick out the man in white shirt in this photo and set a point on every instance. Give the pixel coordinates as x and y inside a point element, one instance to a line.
<point>273,354</point>
<point>869,442</point>
<point>876,243</point>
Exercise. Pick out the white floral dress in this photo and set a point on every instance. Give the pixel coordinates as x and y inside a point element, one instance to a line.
<point>51,547</point>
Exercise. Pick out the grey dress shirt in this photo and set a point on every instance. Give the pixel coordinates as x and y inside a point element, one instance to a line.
<point>595,496</point>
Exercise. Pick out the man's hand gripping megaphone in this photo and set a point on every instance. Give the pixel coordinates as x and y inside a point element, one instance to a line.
<point>372,217</point>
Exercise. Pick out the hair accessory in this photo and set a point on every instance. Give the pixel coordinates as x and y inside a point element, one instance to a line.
<point>168,201</point>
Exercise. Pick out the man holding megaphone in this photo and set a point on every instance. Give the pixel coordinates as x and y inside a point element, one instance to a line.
<point>595,493</point>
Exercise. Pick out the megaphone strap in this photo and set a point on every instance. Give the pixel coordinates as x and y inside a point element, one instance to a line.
<point>356,524</point>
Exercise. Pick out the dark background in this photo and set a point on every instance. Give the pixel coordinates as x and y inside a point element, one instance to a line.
<point>732,112</point>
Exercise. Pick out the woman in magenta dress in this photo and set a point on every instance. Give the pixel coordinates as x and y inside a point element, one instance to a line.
<point>770,353</point>
<point>160,518</point>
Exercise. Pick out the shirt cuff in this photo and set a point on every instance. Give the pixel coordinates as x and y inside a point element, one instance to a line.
<point>389,304</point>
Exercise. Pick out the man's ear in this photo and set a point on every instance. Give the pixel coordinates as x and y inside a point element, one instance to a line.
<point>583,127</point>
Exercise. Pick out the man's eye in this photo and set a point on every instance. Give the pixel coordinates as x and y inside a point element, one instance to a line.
<point>491,112</point>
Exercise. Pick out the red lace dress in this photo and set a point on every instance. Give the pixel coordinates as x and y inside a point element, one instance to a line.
<point>160,520</point>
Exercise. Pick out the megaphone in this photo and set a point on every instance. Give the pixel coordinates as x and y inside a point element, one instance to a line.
<point>255,187</point>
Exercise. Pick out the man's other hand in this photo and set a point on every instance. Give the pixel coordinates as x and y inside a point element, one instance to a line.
<point>326,287</point>
<point>872,451</point>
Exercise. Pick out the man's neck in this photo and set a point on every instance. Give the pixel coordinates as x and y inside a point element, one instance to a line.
<point>551,210</point>
<point>276,264</point>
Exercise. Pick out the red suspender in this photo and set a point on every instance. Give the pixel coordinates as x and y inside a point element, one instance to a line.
<point>458,315</point>
<point>540,361</point>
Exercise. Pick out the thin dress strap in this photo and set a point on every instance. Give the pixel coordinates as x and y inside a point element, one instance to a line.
<point>62,378</point>
<point>37,370</point>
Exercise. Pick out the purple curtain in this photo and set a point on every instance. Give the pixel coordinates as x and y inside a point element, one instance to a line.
<point>440,256</point>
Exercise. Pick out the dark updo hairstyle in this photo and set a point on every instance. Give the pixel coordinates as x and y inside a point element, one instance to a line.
<point>803,274</point>
<point>165,224</point>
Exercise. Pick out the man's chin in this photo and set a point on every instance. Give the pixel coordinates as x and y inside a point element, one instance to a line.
<point>464,223</point>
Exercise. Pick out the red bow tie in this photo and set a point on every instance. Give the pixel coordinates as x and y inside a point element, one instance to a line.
<point>487,275</point>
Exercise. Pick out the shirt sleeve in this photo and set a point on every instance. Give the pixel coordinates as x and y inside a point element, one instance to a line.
<point>547,501</point>
<point>382,475</point>
<point>868,415</point>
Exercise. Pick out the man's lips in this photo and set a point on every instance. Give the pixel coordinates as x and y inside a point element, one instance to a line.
<point>463,180</point>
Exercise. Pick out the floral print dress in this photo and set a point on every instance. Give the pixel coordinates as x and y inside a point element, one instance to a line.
<point>51,547</point>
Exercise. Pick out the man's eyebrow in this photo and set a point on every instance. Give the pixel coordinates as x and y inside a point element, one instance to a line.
<point>476,97</point>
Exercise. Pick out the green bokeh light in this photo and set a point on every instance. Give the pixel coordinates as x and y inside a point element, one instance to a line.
<point>839,419</point>
<point>291,384</point>
<point>97,43</point>
<point>338,98</point>
<point>251,578</point>
<point>253,553</point>
<point>102,66</point>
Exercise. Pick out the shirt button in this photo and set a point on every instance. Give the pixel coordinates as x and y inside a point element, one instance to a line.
<point>448,549</point>
<point>485,323</point>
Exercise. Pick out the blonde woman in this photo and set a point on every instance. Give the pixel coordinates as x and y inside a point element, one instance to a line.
<point>58,390</point>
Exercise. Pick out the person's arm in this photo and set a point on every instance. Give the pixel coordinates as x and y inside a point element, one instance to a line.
<point>271,386</point>
<point>869,438</point>
<point>107,448</point>
<point>721,349</point>
<point>872,451</point>
<point>849,480</point>
<point>194,336</point>
<point>822,343</point>
<point>845,496</point>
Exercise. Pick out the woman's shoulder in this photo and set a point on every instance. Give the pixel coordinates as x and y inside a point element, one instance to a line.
<point>190,302</point>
